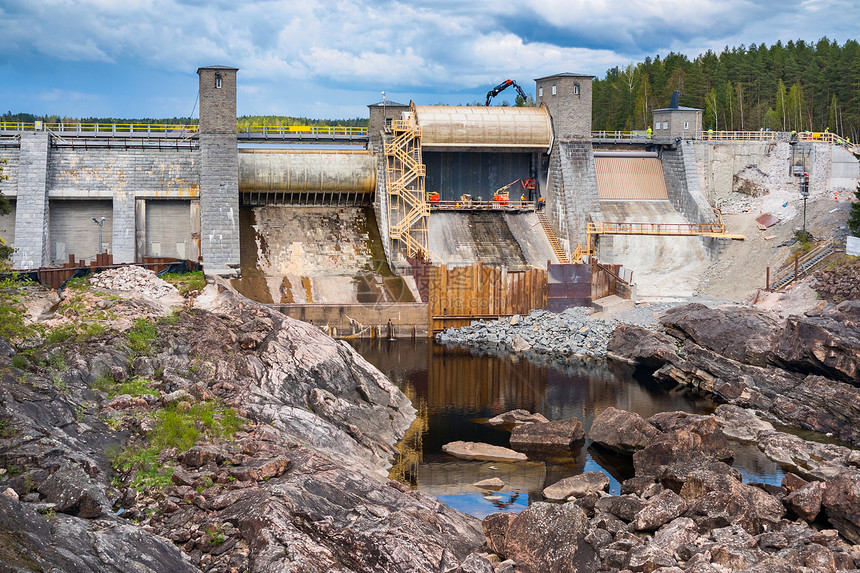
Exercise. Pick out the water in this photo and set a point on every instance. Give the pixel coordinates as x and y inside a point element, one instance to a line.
<point>460,391</point>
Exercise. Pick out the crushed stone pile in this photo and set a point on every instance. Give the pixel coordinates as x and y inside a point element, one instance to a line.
<point>135,279</point>
<point>573,332</point>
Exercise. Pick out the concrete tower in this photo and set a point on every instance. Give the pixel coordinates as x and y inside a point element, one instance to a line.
<point>567,96</point>
<point>219,171</point>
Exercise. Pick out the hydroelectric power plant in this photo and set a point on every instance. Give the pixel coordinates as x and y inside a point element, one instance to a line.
<point>430,217</point>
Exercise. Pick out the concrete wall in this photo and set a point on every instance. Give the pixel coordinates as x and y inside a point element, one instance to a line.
<point>9,187</point>
<point>682,183</point>
<point>845,169</point>
<point>363,320</point>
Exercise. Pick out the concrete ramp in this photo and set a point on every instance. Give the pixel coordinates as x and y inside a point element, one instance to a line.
<point>512,240</point>
<point>662,266</point>
<point>330,255</point>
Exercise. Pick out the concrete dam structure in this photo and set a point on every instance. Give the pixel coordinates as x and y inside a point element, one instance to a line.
<point>342,219</point>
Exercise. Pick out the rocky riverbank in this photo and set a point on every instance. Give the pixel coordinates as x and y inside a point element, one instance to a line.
<point>222,438</point>
<point>686,509</point>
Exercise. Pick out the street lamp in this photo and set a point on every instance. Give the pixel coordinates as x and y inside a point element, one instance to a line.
<point>804,192</point>
<point>100,223</point>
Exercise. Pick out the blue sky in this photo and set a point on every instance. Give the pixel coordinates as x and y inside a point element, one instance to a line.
<point>323,59</point>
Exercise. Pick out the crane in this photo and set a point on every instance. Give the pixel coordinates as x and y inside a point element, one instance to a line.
<point>503,86</point>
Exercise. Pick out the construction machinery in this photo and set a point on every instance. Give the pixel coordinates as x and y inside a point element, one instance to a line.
<point>502,87</point>
<point>502,196</point>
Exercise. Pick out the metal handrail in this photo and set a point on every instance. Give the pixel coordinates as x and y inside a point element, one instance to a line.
<point>160,128</point>
<point>679,229</point>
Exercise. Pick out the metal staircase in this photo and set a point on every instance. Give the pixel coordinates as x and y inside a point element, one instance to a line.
<point>408,210</point>
<point>553,239</point>
<point>803,265</point>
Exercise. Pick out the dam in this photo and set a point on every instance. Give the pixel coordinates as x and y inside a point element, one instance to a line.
<point>346,227</point>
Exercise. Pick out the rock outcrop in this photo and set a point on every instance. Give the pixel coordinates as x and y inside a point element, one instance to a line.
<point>804,374</point>
<point>298,481</point>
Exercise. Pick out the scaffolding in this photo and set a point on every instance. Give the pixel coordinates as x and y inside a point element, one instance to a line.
<point>408,210</point>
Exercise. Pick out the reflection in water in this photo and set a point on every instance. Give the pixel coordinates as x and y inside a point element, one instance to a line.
<point>460,391</point>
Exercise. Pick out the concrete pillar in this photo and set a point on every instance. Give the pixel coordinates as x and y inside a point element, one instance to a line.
<point>123,237</point>
<point>219,171</point>
<point>31,211</point>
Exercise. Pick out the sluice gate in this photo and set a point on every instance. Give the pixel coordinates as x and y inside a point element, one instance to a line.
<point>306,177</point>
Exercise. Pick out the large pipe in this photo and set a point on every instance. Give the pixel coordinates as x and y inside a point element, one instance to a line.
<point>307,171</point>
<point>480,127</point>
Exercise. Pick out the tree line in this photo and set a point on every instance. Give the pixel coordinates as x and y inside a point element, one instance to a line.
<point>241,122</point>
<point>796,86</point>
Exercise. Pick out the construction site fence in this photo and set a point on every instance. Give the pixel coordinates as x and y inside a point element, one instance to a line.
<point>56,277</point>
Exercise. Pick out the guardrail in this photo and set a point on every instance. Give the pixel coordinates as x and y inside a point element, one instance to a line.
<point>176,130</point>
<point>481,205</point>
<point>620,135</point>
<point>803,265</point>
<point>677,229</point>
<point>305,130</point>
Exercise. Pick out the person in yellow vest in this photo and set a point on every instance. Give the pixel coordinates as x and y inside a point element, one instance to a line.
<point>523,200</point>
<point>648,132</point>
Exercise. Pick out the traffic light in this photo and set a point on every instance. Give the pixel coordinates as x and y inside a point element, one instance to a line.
<point>804,184</point>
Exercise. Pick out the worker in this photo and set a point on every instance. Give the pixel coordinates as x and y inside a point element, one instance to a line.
<point>648,132</point>
<point>710,133</point>
<point>541,202</point>
<point>523,200</point>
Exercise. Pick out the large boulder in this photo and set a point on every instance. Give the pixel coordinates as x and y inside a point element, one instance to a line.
<point>73,492</point>
<point>621,431</point>
<point>680,446</point>
<point>577,486</point>
<point>805,502</point>
<point>547,436</point>
<point>516,418</point>
<point>661,509</point>
<point>719,330</point>
<point>637,345</point>
<point>841,501</point>
<point>826,344</point>
<point>479,451</point>
<point>550,538</point>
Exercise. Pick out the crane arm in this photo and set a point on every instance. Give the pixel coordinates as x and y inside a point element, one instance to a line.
<point>503,86</point>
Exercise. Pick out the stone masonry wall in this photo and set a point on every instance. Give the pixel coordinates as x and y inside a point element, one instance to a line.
<point>219,203</point>
<point>682,184</point>
<point>31,210</point>
<point>580,187</point>
<point>102,173</point>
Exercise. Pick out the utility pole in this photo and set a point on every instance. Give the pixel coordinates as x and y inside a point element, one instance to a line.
<point>100,223</point>
<point>804,192</point>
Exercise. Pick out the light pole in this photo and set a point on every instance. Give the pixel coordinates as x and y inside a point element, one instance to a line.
<point>100,223</point>
<point>804,192</point>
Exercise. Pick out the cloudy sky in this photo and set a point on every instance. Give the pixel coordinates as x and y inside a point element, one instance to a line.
<point>323,59</point>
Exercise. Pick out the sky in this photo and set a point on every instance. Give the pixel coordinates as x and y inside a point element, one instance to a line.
<point>330,59</point>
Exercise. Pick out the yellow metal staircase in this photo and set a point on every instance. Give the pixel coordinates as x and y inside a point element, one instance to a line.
<point>408,210</point>
<point>553,239</point>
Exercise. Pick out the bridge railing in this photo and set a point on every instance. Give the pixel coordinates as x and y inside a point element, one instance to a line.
<point>620,135</point>
<point>336,130</point>
<point>100,128</point>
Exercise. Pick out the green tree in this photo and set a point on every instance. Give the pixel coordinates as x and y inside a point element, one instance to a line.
<point>854,219</point>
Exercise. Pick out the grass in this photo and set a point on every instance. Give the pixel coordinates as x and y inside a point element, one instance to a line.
<point>12,323</point>
<point>186,283</point>
<point>178,429</point>
<point>137,386</point>
<point>20,362</point>
<point>141,336</point>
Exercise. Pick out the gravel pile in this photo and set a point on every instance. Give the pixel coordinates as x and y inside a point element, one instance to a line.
<point>136,279</point>
<point>573,332</point>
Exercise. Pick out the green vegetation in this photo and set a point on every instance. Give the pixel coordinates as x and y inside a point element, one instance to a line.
<point>137,386</point>
<point>177,427</point>
<point>804,241</point>
<point>141,336</point>
<point>12,325</point>
<point>280,120</point>
<point>5,208</point>
<point>186,283</point>
<point>854,218</point>
<point>794,86</point>
<point>7,430</point>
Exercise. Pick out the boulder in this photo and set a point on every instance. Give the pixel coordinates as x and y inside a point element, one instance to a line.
<point>72,491</point>
<point>550,538</point>
<point>519,344</point>
<point>480,451</point>
<point>261,469</point>
<point>678,446</point>
<point>199,456</point>
<point>495,527</point>
<point>741,424</point>
<point>577,486</point>
<point>659,510</point>
<point>805,502</point>
<point>828,344</point>
<point>676,534</point>
<point>516,417</point>
<point>621,431</point>
<point>625,507</point>
<point>491,483</point>
<point>637,345</point>
<point>547,436</point>
<point>841,502</point>
<point>719,330</point>
<point>648,558</point>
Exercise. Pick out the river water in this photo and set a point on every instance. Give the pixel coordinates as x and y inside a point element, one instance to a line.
<point>457,391</point>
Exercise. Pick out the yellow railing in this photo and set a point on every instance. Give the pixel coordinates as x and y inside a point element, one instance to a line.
<point>677,229</point>
<point>111,128</point>
<point>408,211</point>
<point>812,136</point>
<point>106,128</point>
<point>484,205</point>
